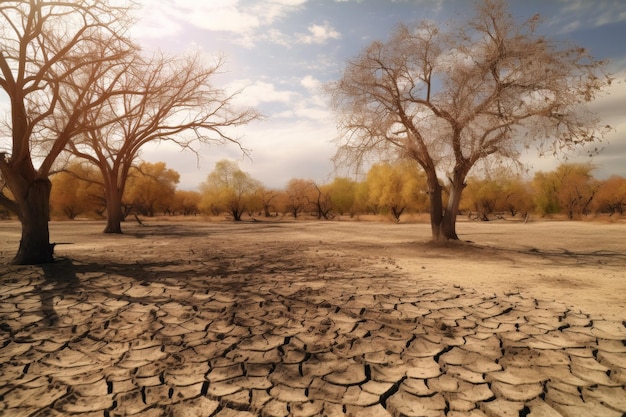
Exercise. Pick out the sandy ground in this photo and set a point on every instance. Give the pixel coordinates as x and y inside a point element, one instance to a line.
<point>582,265</point>
<point>393,323</point>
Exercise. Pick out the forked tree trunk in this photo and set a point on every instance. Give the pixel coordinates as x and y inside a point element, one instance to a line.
<point>34,214</point>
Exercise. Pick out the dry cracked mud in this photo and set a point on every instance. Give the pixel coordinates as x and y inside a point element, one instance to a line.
<point>270,319</point>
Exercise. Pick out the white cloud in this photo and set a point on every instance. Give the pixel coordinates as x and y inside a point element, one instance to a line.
<point>255,92</point>
<point>310,83</point>
<point>163,18</point>
<point>319,34</point>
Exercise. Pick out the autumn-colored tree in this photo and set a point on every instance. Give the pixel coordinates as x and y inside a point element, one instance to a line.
<point>44,44</point>
<point>397,187</point>
<point>229,189</point>
<point>342,194</point>
<point>482,196</point>
<point>450,97</point>
<point>518,196</point>
<point>299,194</point>
<point>569,189</point>
<point>76,190</point>
<point>611,195</point>
<point>321,201</point>
<point>167,99</point>
<point>577,188</point>
<point>268,199</point>
<point>186,202</point>
<point>150,188</point>
<point>545,188</point>
<point>500,192</point>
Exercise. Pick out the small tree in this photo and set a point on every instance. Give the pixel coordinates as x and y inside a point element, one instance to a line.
<point>611,195</point>
<point>396,187</point>
<point>449,98</point>
<point>576,188</point>
<point>150,188</point>
<point>76,190</point>
<point>229,189</point>
<point>320,200</point>
<point>342,194</point>
<point>186,202</point>
<point>268,199</point>
<point>299,195</point>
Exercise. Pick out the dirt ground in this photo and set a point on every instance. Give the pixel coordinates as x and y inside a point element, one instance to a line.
<point>580,264</point>
<point>308,318</point>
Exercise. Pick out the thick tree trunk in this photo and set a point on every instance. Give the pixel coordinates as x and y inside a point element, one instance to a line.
<point>452,210</point>
<point>114,212</point>
<point>436,208</point>
<point>34,214</point>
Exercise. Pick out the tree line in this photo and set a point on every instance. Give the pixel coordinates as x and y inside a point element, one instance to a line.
<point>389,189</point>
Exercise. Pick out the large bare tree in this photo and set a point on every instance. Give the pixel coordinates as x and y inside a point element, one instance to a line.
<point>166,99</point>
<point>450,97</point>
<point>43,43</point>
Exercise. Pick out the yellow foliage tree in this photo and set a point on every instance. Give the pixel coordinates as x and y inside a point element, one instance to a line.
<point>229,189</point>
<point>397,187</point>
<point>75,191</point>
<point>150,188</point>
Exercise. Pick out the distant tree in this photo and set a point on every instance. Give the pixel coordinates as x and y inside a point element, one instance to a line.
<point>342,194</point>
<point>482,196</point>
<point>167,99</point>
<point>397,187</point>
<point>611,195</point>
<point>545,187</point>
<point>362,202</point>
<point>44,44</point>
<point>320,200</point>
<point>229,189</point>
<point>76,190</point>
<point>576,189</point>
<point>150,188</point>
<point>476,91</point>
<point>518,195</point>
<point>500,192</point>
<point>569,189</point>
<point>268,199</point>
<point>299,194</point>
<point>186,202</point>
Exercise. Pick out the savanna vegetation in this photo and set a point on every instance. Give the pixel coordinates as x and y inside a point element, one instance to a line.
<point>389,189</point>
<point>434,104</point>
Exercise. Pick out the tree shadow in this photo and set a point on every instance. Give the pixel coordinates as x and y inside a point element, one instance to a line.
<point>60,280</point>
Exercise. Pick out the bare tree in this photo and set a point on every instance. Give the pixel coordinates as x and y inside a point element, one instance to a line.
<point>167,99</point>
<point>448,99</point>
<point>43,43</point>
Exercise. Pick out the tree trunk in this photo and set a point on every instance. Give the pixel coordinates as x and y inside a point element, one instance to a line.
<point>34,214</point>
<point>436,207</point>
<point>114,212</point>
<point>452,210</point>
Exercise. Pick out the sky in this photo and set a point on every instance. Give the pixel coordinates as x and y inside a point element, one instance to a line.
<point>281,52</point>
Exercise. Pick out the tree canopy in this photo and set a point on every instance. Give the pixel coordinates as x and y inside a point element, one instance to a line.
<point>450,97</point>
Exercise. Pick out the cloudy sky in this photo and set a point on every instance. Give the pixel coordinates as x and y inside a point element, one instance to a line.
<point>282,51</point>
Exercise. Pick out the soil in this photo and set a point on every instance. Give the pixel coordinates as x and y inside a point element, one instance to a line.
<point>316,318</point>
<point>581,264</point>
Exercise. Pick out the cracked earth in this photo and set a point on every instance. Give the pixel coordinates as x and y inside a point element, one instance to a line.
<point>316,319</point>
